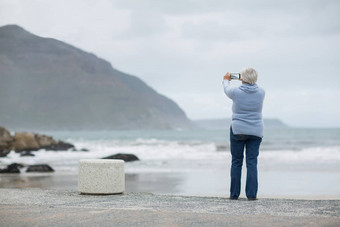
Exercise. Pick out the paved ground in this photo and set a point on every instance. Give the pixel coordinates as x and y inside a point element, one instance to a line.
<point>36,207</point>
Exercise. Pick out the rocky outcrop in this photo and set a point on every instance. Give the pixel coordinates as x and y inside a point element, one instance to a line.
<point>125,157</point>
<point>5,141</point>
<point>25,142</point>
<point>45,141</point>
<point>40,168</point>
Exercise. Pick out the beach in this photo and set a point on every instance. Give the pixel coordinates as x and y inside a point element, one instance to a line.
<point>188,184</point>
<point>38,207</point>
<point>181,179</point>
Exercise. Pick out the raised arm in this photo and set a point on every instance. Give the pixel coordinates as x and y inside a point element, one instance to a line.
<point>227,89</point>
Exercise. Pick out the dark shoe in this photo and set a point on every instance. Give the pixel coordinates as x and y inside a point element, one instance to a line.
<point>233,198</point>
<point>252,199</point>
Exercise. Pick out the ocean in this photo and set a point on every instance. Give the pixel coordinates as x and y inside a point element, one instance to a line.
<point>293,162</point>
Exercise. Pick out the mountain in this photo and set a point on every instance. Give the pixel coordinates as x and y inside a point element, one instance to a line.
<point>223,123</point>
<point>49,84</point>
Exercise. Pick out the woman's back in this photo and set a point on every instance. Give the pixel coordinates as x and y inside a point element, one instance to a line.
<point>247,109</point>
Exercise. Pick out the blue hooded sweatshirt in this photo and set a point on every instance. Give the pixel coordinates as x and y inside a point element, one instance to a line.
<point>247,108</point>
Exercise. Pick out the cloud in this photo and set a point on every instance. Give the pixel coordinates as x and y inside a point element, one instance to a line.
<point>144,24</point>
<point>304,108</point>
<point>240,24</point>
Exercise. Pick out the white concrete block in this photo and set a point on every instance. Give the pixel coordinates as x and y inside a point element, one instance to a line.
<point>101,176</point>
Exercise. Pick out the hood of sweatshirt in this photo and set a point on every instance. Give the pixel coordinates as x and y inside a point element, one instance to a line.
<point>249,88</point>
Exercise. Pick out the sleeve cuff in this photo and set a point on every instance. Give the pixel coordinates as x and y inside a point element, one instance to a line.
<point>226,81</point>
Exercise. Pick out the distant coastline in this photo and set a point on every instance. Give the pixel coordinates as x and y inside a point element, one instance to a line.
<point>220,123</point>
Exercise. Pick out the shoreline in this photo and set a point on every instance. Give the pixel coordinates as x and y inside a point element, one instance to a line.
<point>37,207</point>
<point>156,183</point>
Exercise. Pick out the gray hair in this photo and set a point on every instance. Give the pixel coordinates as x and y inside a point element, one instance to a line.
<point>249,75</point>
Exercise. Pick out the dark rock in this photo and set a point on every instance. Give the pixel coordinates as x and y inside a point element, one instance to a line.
<point>26,153</point>
<point>5,142</point>
<point>221,147</point>
<point>12,168</point>
<point>83,149</point>
<point>16,165</point>
<point>60,146</point>
<point>125,157</point>
<point>40,168</point>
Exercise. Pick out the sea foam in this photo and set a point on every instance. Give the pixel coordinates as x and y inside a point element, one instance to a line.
<point>155,152</point>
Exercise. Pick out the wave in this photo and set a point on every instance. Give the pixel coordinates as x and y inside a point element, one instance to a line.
<point>163,154</point>
<point>329,154</point>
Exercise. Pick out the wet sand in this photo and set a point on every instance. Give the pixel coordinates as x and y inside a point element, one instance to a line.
<point>144,182</point>
<point>189,183</point>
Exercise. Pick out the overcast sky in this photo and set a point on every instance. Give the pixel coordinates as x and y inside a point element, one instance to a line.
<point>182,48</point>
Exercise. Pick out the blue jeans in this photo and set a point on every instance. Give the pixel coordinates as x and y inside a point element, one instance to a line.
<point>237,144</point>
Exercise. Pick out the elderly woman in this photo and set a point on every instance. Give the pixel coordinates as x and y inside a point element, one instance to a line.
<point>246,130</point>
